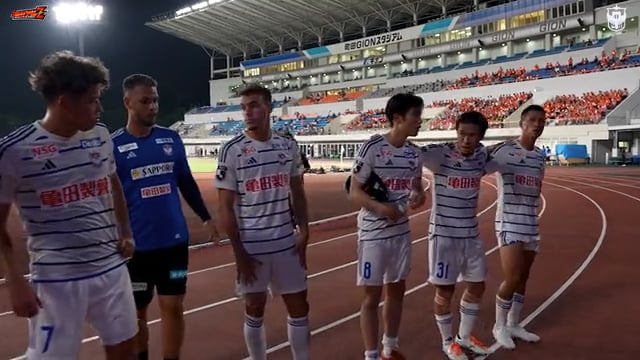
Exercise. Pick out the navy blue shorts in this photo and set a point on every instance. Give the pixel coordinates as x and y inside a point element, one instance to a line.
<point>164,270</point>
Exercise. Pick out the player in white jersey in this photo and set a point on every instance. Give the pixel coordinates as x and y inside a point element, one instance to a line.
<point>257,172</point>
<point>384,243</point>
<point>455,247</point>
<point>520,167</point>
<point>60,173</point>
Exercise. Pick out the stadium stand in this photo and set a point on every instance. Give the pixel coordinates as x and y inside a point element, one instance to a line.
<point>588,108</point>
<point>441,114</point>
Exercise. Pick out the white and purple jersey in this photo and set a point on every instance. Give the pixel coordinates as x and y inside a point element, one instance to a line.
<point>62,189</point>
<point>456,188</point>
<point>398,168</point>
<point>520,176</point>
<point>259,174</point>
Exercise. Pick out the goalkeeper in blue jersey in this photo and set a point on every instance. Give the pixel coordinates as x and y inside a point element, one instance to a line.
<point>152,165</point>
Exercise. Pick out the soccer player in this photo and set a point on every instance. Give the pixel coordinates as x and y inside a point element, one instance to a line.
<point>384,244</point>
<point>153,168</point>
<point>60,173</point>
<point>455,247</point>
<point>520,167</point>
<point>257,170</point>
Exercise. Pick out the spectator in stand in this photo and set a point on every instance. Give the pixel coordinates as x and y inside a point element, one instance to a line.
<point>588,108</point>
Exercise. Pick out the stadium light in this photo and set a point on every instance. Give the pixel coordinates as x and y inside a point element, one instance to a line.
<point>78,14</point>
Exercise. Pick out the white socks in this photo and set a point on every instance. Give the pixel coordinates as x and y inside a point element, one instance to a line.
<point>517,303</point>
<point>255,337</point>
<point>298,332</point>
<point>468,314</point>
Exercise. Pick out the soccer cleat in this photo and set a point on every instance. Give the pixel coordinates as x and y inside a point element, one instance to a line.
<point>454,352</point>
<point>395,355</point>
<point>518,332</point>
<point>503,337</point>
<point>473,344</point>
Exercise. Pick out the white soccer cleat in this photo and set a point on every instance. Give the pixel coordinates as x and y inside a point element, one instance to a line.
<point>503,337</point>
<point>518,332</point>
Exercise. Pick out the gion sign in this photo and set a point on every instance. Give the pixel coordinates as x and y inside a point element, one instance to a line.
<point>372,41</point>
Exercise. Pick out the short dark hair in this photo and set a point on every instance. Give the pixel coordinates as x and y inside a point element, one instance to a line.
<point>475,118</point>
<point>401,104</point>
<point>255,89</point>
<point>133,80</point>
<point>530,108</point>
<point>63,72</point>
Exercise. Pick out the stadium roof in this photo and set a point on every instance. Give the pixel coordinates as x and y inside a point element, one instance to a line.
<point>234,27</point>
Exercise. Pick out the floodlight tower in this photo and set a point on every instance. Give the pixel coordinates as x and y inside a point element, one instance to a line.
<point>78,15</point>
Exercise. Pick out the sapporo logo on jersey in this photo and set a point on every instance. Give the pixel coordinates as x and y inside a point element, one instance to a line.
<point>151,170</point>
<point>36,13</point>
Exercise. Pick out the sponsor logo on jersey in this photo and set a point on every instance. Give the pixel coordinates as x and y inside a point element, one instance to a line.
<point>54,198</point>
<point>247,150</point>
<point>282,158</point>
<point>45,151</point>
<point>153,191</point>
<point>267,183</point>
<point>128,147</point>
<point>91,143</point>
<point>94,157</point>
<point>164,141</point>
<point>221,172</point>
<point>151,170</point>
<point>463,182</point>
<point>528,180</point>
<point>396,184</point>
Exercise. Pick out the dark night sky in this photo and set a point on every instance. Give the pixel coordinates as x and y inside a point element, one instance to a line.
<point>123,43</point>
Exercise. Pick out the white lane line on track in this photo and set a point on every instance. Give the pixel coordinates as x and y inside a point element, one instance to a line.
<point>594,178</point>
<point>597,187</point>
<point>222,266</point>
<point>355,315</point>
<point>542,307</point>
<point>232,299</point>
<point>235,298</point>
<point>313,223</point>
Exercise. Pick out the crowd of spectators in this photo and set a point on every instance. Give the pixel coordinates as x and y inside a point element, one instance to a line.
<point>496,109</point>
<point>588,108</point>
<point>604,62</point>
<point>368,120</point>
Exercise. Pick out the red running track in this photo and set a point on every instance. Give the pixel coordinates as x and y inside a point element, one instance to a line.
<point>589,245</point>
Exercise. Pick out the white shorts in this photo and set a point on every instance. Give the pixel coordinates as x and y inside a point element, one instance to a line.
<point>450,259</point>
<point>279,273</point>
<point>105,302</point>
<point>506,238</point>
<point>383,261</point>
